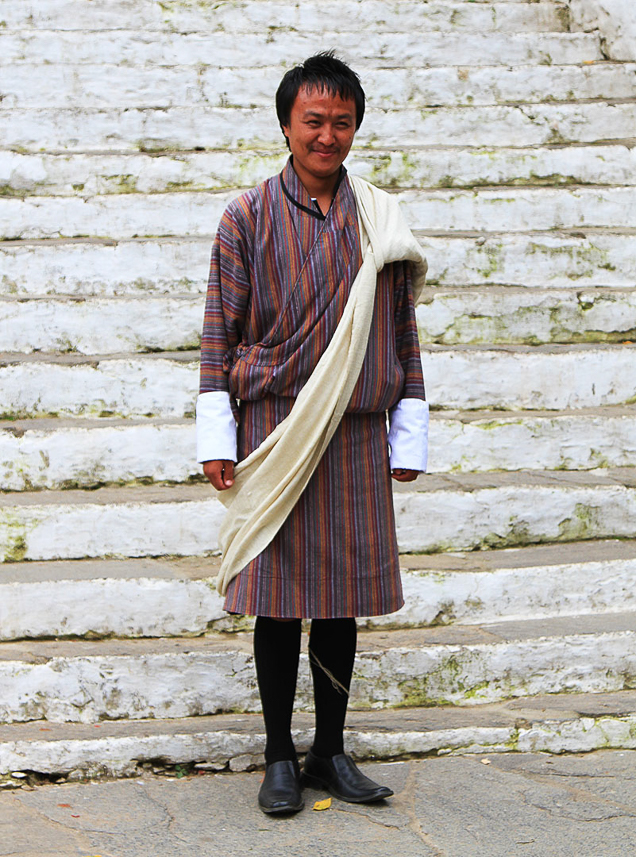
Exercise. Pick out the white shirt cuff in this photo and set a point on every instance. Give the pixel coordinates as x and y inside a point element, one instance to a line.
<point>408,435</point>
<point>216,427</point>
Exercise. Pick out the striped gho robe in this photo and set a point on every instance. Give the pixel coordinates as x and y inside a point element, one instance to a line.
<point>280,277</point>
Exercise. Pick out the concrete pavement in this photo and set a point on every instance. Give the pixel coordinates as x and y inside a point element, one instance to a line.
<point>535,805</point>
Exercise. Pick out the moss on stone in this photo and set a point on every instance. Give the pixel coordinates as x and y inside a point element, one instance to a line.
<point>15,532</point>
<point>493,255</point>
<point>126,183</point>
<point>584,524</point>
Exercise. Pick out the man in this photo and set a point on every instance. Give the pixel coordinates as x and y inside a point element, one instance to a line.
<point>298,317</point>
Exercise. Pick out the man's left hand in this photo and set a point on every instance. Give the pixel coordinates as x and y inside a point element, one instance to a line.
<point>401,475</point>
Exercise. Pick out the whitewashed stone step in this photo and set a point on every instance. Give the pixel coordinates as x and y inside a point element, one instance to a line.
<point>520,210</point>
<point>85,454</point>
<point>575,440</point>
<point>111,85</point>
<point>57,454</point>
<point>61,454</point>
<point>407,15</point>
<point>180,266</point>
<point>462,316</point>
<point>437,513</point>
<point>539,260</point>
<point>167,129</point>
<point>563,723</point>
<point>283,47</point>
<point>90,175</point>
<point>122,386</point>
<point>507,377</point>
<point>500,315</point>
<point>103,326</point>
<point>523,378</point>
<point>159,598</point>
<point>84,682</point>
<point>170,214</point>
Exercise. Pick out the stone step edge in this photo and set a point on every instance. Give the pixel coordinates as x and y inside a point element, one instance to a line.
<point>192,356</point>
<point>425,484</point>
<point>90,686</point>
<point>239,749</point>
<point>427,295</point>
<point>566,232</point>
<point>373,643</point>
<point>188,569</point>
<point>21,426</point>
<point>437,593</point>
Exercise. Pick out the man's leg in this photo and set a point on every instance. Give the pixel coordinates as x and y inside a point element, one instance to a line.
<point>276,653</point>
<point>332,649</point>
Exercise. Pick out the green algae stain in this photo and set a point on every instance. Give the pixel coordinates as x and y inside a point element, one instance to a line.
<point>493,253</point>
<point>13,532</point>
<point>126,183</point>
<point>584,524</point>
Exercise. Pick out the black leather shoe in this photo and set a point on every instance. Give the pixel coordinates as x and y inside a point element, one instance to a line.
<point>342,778</point>
<point>280,791</point>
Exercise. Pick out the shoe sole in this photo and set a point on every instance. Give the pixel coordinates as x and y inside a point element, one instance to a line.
<point>281,810</point>
<point>309,781</point>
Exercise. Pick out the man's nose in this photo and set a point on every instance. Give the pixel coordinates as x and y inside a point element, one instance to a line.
<point>326,135</point>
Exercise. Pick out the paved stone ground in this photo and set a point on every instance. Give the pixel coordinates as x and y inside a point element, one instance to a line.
<point>486,806</point>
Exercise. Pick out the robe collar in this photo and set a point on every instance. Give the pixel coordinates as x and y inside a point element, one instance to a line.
<point>296,192</point>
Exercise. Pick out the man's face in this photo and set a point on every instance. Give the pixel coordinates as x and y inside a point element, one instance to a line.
<point>320,132</point>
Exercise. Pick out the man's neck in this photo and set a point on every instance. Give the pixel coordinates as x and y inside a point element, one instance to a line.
<point>321,189</point>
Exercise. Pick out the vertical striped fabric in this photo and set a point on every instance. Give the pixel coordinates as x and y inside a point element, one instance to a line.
<point>280,277</point>
<point>279,282</point>
<point>336,554</point>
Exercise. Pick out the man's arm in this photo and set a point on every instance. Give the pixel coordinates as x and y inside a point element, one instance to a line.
<point>225,310</point>
<point>408,419</point>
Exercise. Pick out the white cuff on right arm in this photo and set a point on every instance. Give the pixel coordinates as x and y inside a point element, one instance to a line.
<point>216,427</point>
<point>408,435</point>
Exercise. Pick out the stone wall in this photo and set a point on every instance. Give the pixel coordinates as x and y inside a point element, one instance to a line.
<point>614,19</point>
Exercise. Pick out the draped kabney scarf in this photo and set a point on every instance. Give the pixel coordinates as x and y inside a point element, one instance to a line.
<point>269,482</point>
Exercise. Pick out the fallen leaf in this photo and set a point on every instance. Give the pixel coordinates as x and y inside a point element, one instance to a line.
<point>322,804</point>
<point>74,816</point>
<point>65,805</point>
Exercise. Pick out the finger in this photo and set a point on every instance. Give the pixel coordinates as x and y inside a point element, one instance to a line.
<point>214,473</point>
<point>401,475</point>
<point>228,473</point>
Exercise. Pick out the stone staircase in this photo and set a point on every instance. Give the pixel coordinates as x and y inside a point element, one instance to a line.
<point>125,129</point>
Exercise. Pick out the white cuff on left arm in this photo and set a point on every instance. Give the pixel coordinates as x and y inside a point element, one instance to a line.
<point>408,435</point>
<point>216,427</point>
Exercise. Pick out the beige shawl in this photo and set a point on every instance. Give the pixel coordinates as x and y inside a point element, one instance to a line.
<point>269,482</point>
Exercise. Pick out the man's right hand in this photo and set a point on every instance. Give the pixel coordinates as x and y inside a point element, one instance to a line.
<point>220,473</point>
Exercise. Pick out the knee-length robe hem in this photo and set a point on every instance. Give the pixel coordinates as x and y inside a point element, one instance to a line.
<point>279,280</point>
<point>336,554</point>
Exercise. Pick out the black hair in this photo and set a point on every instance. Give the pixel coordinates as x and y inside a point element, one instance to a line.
<point>325,72</point>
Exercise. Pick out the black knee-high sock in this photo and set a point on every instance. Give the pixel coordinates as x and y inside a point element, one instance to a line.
<point>332,649</point>
<point>276,652</point>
